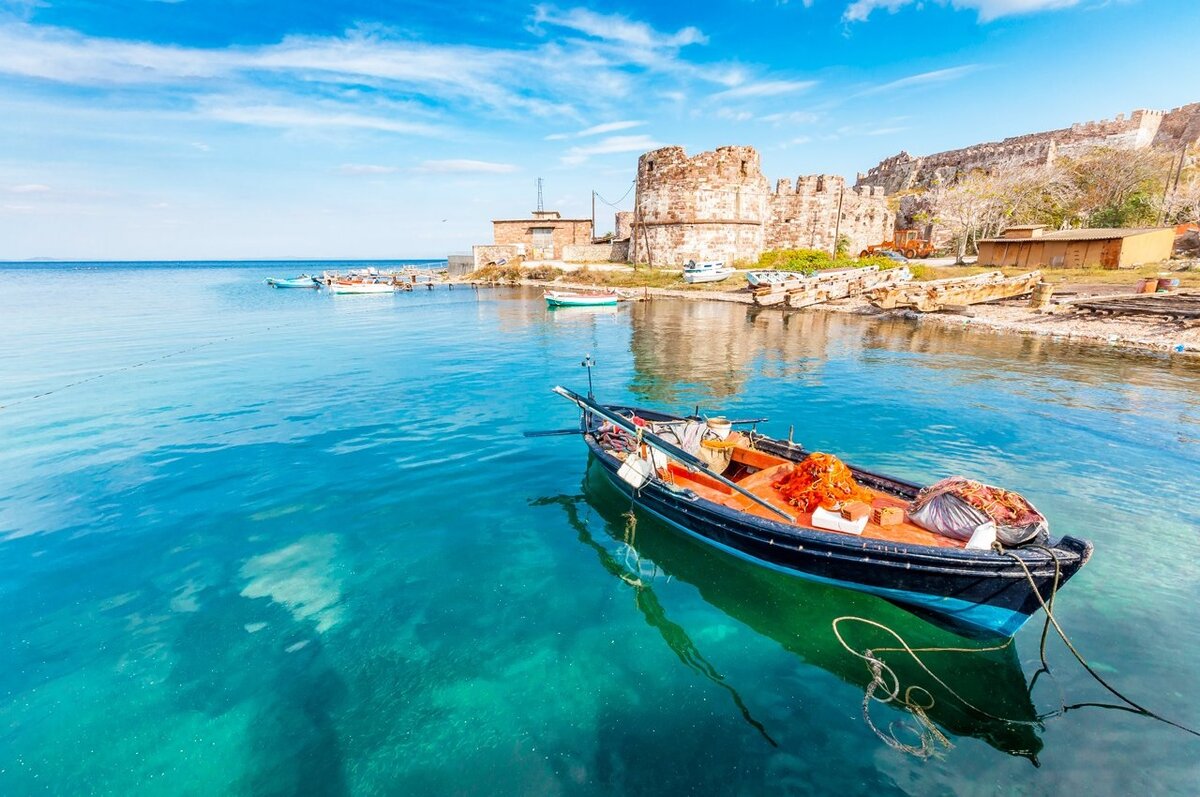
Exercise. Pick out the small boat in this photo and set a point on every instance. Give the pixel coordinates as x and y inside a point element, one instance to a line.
<point>303,281</point>
<point>581,298</point>
<point>346,286</point>
<point>708,271</point>
<point>984,590</point>
<point>763,279</point>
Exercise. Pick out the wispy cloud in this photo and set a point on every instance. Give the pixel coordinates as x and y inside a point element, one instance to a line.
<point>29,188</point>
<point>364,168</point>
<point>922,79</point>
<point>595,130</point>
<point>791,118</point>
<point>616,28</point>
<point>268,115</point>
<point>765,88</point>
<point>613,144</point>
<point>987,10</point>
<point>466,166</point>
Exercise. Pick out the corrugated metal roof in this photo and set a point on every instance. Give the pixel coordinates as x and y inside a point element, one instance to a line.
<point>1094,234</point>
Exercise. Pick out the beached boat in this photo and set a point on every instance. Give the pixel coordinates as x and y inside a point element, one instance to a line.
<point>930,297</point>
<point>745,514</point>
<point>346,286</point>
<point>581,298</point>
<point>303,281</point>
<point>710,271</point>
<point>769,277</point>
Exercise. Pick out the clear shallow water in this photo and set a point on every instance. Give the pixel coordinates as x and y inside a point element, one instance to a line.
<point>277,541</point>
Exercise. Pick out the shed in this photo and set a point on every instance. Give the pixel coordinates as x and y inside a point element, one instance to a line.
<point>1030,246</point>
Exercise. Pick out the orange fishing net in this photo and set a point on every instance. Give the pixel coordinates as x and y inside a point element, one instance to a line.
<point>821,480</point>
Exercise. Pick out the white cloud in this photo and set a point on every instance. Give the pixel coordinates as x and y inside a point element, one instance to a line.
<point>924,78</point>
<point>613,144</point>
<point>200,145</point>
<point>791,118</point>
<point>616,28</point>
<point>595,130</point>
<point>29,188</point>
<point>268,115</point>
<point>365,168</point>
<point>988,10</point>
<point>765,88</point>
<point>465,165</point>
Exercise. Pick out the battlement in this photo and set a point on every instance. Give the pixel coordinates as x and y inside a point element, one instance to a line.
<point>1142,128</point>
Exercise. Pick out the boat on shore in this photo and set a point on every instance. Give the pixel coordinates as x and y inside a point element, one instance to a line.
<point>708,271</point>
<point>986,590</point>
<point>303,281</point>
<point>581,298</point>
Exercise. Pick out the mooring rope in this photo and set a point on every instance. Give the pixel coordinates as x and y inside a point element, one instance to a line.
<point>150,361</point>
<point>1047,607</point>
<point>885,678</point>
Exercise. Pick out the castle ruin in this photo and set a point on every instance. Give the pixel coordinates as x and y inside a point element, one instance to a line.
<point>718,206</point>
<point>1169,131</point>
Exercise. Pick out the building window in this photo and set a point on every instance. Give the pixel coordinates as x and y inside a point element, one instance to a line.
<point>649,166</point>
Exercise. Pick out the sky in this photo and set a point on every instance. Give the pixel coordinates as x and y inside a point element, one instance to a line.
<point>256,129</point>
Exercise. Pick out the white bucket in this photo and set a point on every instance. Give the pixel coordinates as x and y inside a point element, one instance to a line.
<point>720,426</point>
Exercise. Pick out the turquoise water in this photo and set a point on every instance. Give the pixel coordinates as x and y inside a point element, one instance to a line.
<point>258,541</point>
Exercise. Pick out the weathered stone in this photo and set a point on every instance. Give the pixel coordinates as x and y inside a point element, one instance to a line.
<point>718,206</point>
<point>1168,131</point>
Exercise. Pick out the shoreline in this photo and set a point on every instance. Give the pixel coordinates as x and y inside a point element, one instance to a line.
<point>1138,333</point>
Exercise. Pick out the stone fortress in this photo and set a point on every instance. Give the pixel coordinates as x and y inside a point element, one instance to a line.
<point>718,206</point>
<point>1168,131</point>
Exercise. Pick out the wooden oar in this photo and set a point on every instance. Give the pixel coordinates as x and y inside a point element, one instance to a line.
<point>673,451</point>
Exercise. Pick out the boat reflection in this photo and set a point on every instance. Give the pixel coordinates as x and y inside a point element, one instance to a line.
<point>954,684</point>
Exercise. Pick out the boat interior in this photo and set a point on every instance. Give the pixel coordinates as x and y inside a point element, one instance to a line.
<point>756,471</point>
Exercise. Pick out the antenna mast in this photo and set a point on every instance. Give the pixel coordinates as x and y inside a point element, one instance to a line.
<point>540,207</point>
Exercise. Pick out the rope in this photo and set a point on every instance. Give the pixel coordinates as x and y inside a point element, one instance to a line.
<point>150,361</point>
<point>1130,705</point>
<point>928,733</point>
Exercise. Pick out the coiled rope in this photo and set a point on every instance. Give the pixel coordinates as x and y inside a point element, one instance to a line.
<point>918,701</point>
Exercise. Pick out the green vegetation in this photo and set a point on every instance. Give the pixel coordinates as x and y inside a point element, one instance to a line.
<point>514,273</point>
<point>810,261</point>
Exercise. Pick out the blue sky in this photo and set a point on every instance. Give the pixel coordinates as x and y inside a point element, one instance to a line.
<point>198,129</point>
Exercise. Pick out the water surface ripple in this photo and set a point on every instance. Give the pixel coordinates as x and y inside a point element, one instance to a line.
<point>258,541</point>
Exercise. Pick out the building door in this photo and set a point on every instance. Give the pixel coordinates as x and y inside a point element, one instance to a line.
<point>543,243</point>
<point>1110,254</point>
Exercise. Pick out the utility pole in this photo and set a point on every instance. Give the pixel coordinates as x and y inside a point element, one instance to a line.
<point>837,226</point>
<point>593,214</point>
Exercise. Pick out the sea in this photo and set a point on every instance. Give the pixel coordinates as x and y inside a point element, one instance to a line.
<point>271,542</point>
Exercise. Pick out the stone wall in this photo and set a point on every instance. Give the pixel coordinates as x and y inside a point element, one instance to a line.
<point>1168,130</point>
<point>804,215</point>
<point>493,253</point>
<point>587,253</point>
<point>718,206</point>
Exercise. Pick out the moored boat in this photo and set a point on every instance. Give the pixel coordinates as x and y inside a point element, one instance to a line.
<point>708,271</point>
<point>303,281</point>
<point>346,286</point>
<point>992,590</point>
<point>581,298</point>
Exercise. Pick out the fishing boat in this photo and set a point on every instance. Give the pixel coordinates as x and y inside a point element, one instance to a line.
<point>581,298</point>
<point>990,590</point>
<point>347,286</point>
<point>708,271</point>
<point>804,618</point>
<point>303,281</point>
<point>769,277</point>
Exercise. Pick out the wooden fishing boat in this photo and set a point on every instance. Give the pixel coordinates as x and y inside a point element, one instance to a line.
<point>581,298</point>
<point>303,281</point>
<point>745,515</point>
<point>347,286</point>
<point>930,297</point>
<point>710,271</point>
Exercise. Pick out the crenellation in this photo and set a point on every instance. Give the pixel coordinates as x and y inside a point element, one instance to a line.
<point>718,206</point>
<point>1167,130</point>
